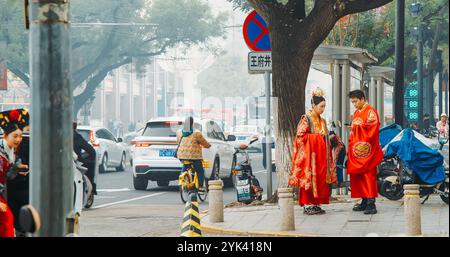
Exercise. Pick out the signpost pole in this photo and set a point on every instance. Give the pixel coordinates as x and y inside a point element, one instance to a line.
<point>268,137</point>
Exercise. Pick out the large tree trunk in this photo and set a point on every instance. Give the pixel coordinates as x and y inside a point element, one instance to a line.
<point>290,72</point>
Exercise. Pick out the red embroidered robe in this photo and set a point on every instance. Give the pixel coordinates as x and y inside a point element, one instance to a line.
<point>364,153</point>
<point>6,216</point>
<point>313,169</point>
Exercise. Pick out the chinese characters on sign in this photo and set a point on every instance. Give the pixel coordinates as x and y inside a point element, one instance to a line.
<point>259,62</point>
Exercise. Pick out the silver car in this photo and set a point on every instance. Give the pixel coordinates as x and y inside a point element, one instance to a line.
<point>110,152</point>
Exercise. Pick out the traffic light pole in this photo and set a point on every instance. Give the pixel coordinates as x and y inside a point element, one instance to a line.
<point>399,63</point>
<point>51,115</point>
<point>420,74</point>
<point>268,136</point>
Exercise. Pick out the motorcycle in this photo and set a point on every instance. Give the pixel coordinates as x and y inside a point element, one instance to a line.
<point>392,186</point>
<point>429,132</point>
<point>247,185</point>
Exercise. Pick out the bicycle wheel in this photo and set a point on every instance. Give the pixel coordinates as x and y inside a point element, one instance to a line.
<point>203,195</point>
<point>184,194</point>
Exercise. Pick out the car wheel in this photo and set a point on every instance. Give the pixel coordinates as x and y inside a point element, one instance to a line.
<point>162,183</point>
<point>231,180</point>
<point>104,164</point>
<point>140,183</point>
<point>122,163</point>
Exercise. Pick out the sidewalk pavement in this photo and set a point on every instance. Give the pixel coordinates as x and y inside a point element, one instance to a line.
<point>339,220</point>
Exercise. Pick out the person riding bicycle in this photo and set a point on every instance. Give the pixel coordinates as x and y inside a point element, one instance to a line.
<point>190,143</point>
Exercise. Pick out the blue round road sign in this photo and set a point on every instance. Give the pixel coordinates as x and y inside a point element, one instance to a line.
<point>256,33</point>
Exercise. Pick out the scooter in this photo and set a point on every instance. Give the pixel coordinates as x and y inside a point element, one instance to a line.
<point>83,195</point>
<point>247,185</point>
<point>392,186</point>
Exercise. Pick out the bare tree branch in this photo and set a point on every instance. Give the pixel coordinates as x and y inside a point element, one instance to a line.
<point>356,6</point>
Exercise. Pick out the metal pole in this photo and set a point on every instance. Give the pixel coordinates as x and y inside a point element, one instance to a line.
<point>337,96</point>
<point>440,85</point>
<point>420,75</point>
<point>440,88</point>
<point>446,90</point>
<point>51,115</point>
<point>399,62</point>
<point>268,137</point>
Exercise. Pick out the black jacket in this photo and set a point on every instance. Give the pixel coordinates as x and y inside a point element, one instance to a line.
<point>80,144</point>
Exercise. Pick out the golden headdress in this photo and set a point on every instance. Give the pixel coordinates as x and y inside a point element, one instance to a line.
<point>318,92</point>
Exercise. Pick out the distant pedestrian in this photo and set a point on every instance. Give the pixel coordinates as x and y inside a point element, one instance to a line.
<point>442,125</point>
<point>364,153</point>
<point>313,169</point>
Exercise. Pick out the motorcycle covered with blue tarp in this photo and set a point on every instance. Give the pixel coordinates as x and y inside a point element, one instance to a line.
<point>417,160</point>
<point>388,165</point>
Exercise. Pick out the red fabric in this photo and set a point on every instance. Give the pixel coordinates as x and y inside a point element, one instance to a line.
<point>364,185</point>
<point>307,197</point>
<point>6,221</point>
<point>364,153</point>
<point>312,169</point>
<point>6,217</point>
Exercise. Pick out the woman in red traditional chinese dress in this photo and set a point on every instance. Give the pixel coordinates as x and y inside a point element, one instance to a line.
<point>313,169</point>
<point>12,137</point>
<point>364,153</point>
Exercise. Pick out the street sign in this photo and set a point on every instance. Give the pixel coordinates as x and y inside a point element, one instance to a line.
<point>259,62</point>
<point>256,33</point>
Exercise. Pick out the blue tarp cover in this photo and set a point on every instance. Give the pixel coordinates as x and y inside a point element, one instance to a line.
<point>427,163</point>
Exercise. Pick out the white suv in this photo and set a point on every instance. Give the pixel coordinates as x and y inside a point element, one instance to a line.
<point>154,151</point>
<point>110,153</point>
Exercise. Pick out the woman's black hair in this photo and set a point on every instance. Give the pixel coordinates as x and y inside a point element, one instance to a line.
<point>315,100</point>
<point>188,123</point>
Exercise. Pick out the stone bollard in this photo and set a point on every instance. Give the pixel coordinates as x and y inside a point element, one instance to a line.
<point>412,210</point>
<point>286,203</point>
<point>215,200</point>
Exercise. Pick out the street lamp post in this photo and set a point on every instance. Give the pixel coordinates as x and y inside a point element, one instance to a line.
<point>399,62</point>
<point>416,10</point>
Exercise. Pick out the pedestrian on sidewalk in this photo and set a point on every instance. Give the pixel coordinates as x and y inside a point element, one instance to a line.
<point>19,187</point>
<point>10,168</point>
<point>364,153</point>
<point>313,170</point>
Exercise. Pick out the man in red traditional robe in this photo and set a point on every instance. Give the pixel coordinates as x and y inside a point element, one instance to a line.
<point>364,153</point>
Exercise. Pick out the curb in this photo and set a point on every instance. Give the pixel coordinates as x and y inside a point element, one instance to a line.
<point>211,229</point>
<point>208,228</point>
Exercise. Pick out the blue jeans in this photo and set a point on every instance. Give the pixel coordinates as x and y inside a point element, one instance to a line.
<point>198,167</point>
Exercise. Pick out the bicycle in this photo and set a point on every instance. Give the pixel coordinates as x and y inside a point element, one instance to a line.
<point>188,182</point>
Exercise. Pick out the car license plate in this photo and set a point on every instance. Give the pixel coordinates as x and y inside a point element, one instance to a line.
<point>167,153</point>
<point>242,138</point>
